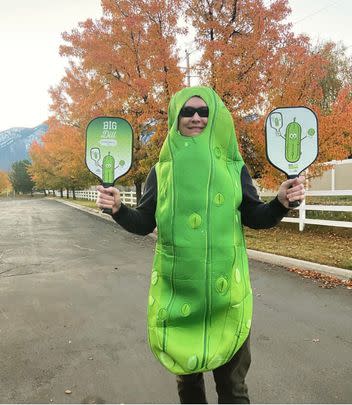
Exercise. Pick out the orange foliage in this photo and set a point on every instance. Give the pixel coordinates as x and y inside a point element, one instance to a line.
<point>125,65</point>
<point>256,64</point>
<point>58,162</point>
<point>5,184</point>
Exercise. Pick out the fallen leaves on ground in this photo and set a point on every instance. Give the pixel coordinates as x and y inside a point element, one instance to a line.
<point>326,280</point>
<point>321,247</point>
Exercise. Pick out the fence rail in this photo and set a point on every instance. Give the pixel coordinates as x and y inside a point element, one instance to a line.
<point>302,220</point>
<point>129,198</point>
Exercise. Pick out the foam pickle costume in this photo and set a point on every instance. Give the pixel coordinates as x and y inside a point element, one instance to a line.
<point>200,299</point>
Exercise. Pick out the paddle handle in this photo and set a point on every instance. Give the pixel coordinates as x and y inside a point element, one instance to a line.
<point>293,204</point>
<point>107,210</point>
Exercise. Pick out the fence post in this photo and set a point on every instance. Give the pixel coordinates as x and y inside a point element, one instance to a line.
<point>302,215</point>
<point>333,178</point>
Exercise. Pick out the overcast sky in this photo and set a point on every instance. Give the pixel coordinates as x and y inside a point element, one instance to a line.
<point>30,35</point>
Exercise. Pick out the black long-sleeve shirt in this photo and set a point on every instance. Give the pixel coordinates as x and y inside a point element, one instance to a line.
<point>254,213</point>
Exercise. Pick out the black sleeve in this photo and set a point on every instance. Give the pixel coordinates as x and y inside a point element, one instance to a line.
<point>254,212</point>
<point>140,220</point>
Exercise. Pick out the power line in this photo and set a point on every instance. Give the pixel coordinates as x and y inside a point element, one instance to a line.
<point>317,11</point>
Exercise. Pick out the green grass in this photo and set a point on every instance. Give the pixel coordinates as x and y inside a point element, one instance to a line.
<point>313,200</point>
<point>85,203</point>
<point>329,246</point>
<point>337,200</point>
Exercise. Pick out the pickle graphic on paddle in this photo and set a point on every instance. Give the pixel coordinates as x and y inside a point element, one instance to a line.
<point>108,169</point>
<point>293,138</point>
<point>276,122</point>
<point>95,155</point>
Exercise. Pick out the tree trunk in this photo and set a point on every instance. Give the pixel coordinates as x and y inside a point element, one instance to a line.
<point>61,193</point>
<point>138,185</point>
<point>67,193</point>
<point>73,193</point>
<point>54,194</point>
<point>45,194</point>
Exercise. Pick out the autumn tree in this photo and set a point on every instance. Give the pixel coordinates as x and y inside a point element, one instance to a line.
<point>124,64</point>
<point>337,75</point>
<point>58,161</point>
<point>41,170</point>
<point>5,184</point>
<point>321,81</point>
<point>254,61</point>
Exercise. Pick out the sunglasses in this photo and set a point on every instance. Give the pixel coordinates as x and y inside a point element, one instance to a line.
<point>190,111</point>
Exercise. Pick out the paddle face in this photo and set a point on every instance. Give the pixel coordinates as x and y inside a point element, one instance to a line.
<point>109,146</point>
<point>291,135</point>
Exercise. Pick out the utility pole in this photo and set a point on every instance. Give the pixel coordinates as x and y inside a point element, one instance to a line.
<point>188,69</point>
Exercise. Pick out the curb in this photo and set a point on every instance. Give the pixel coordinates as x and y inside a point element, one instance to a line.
<point>284,261</point>
<point>92,211</point>
<point>264,257</point>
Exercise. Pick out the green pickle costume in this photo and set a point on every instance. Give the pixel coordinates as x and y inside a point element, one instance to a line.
<point>200,299</point>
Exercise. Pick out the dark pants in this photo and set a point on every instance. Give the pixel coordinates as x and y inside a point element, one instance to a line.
<point>229,380</point>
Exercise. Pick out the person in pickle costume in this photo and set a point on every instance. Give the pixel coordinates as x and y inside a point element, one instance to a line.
<point>199,195</point>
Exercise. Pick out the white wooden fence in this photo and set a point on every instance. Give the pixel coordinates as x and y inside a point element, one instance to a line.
<point>129,197</point>
<point>302,219</point>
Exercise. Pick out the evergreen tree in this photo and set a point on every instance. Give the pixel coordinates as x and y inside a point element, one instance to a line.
<point>19,177</point>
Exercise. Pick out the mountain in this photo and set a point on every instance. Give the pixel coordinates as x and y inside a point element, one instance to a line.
<point>15,142</point>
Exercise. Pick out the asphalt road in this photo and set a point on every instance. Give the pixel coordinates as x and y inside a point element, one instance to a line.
<point>73,298</point>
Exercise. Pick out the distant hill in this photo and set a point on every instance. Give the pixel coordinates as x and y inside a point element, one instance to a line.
<point>15,142</point>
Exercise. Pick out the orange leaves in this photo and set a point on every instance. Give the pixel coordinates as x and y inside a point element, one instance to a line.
<point>256,63</point>
<point>123,64</point>
<point>5,184</point>
<point>126,64</point>
<point>336,128</point>
<point>324,280</point>
<point>59,161</point>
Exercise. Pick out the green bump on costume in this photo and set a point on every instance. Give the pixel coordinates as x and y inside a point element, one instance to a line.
<point>219,199</point>
<point>221,285</point>
<point>162,314</point>
<point>217,152</point>
<point>202,301</point>
<point>186,309</point>
<point>195,220</point>
<point>192,363</point>
<point>166,360</point>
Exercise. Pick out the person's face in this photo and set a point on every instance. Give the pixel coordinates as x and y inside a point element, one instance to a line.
<point>192,126</point>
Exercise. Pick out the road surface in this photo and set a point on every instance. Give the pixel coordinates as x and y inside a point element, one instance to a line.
<point>73,298</point>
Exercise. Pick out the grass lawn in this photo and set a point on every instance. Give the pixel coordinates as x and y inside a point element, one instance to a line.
<point>330,246</point>
<point>85,203</point>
